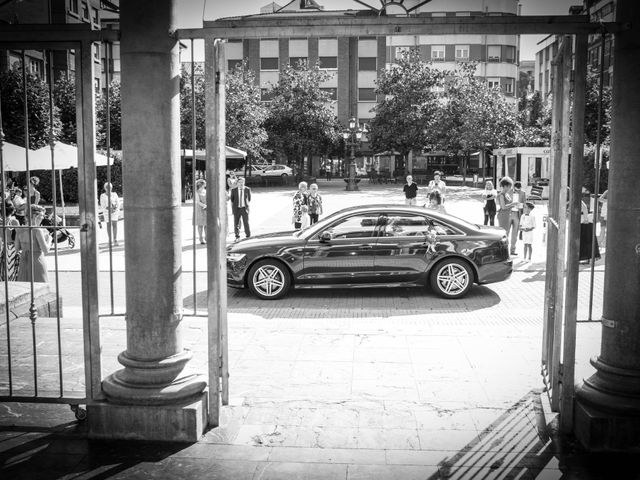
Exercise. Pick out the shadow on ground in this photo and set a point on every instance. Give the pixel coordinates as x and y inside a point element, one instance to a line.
<point>361,302</point>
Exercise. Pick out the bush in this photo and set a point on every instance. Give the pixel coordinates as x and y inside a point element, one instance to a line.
<point>70,182</point>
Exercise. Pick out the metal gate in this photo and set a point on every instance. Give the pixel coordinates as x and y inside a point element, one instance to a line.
<point>33,351</point>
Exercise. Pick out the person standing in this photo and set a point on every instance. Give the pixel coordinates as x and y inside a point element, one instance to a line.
<point>9,251</point>
<point>508,213</point>
<point>200,213</point>
<point>20,204</point>
<point>410,190</point>
<point>435,202</point>
<point>327,170</point>
<point>299,199</point>
<point>437,185</point>
<point>603,201</point>
<point>527,225</point>
<point>586,233</point>
<point>110,205</point>
<point>489,195</point>
<point>41,242</point>
<point>34,194</point>
<point>240,200</point>
<point>314,202</point>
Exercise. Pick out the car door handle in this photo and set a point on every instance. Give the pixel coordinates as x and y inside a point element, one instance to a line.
<point>365,247</point>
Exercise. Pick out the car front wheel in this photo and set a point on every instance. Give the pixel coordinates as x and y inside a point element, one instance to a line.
<point>452,278</point>
<point>284,175</point>
<point>269,280</point>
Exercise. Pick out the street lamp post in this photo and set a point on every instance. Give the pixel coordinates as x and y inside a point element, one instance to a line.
<point>352,138</point>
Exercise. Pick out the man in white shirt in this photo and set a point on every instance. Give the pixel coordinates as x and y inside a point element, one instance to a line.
<point>437,185</point>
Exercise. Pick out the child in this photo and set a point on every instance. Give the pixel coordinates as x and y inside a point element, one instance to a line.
<point>435,202</point>
<point>527,224</point>
<point>305,219</point>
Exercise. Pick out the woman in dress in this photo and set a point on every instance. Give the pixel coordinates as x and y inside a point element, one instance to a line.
<point>489,195</point>
<point>299,199</point>
<point>508,217</point>
<point>314,202</point>
<point>110,205</point>
<point>200,214</point>
<point>9,251</point>
<point>34,194</point>
<point>40,241</point>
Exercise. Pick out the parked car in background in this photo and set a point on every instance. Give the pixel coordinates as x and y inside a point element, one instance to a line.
<point>264,170</point>
<point>376,246</point>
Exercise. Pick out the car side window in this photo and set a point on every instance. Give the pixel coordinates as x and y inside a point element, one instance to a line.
<point>406,225</point>
<point>441,228</point>
<point>356,226</point>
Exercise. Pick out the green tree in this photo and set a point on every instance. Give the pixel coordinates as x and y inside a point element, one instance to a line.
<point>474,116</point>
<point>591,110</point>
<point>300,122</point>
<point>405,117</point>
<point>186,117</point>
<point>245,113</point>
<point>64,97</point>
<point>534,119</point>
<point>115,118</point>
<point>12,99</point>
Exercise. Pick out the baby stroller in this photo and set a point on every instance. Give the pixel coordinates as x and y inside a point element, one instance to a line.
<point>60,234</point>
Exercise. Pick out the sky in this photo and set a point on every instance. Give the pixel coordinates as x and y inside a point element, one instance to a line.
<point>190,14</point>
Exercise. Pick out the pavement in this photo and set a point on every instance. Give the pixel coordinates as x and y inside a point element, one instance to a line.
<point>324,384</point>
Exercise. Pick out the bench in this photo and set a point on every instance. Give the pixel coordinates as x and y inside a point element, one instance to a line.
<point>536,193</point>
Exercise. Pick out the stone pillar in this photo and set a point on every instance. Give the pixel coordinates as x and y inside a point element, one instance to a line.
<point>607,414</point>
<point>151,398</point>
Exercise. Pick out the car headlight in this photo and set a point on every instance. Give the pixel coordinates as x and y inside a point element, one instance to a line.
<point>235,257</point>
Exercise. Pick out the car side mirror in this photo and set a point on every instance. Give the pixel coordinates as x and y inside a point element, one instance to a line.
<point>326,236</point>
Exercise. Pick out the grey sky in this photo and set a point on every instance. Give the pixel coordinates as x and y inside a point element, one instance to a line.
<point>190,14</point>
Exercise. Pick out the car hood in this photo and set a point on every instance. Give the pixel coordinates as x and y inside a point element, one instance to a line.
<point>267,240</point>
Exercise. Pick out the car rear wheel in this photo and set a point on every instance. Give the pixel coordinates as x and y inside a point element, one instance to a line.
<point>269,280</point>
<point>284,175</point>
<point>452,278</point>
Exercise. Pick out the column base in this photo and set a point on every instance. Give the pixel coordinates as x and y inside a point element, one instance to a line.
<point>181,422</point>
<point>607,410</point>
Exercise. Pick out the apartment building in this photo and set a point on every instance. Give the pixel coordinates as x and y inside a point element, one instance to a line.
<point>53,11</point>
<point>603,10</point>
<point>356,62</point>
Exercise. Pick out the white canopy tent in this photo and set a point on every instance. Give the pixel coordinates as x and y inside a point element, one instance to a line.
<point>14,159</point>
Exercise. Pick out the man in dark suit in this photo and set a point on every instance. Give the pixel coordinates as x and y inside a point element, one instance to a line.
<point>240,198</point>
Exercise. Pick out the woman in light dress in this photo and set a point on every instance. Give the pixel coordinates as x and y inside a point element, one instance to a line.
<point>110,206</point>
<point>41,243</point>
<point>200,215</point>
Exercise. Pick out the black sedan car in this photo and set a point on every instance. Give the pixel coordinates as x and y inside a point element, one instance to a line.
<point>372,246</point>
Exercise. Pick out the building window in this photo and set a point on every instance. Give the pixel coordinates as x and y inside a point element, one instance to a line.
<point>96,17</point>
<point>462,52</point>
<point>493,82</point>
<point>96,84</point>
<point>367,64</point>
<point>366,95</point>
<point>96,51</point>
<point>510,54</point>
<point>328,62</point>
<point>268,64</point>
<point>73,7</point>
<point>437,53</point>
<point>293,61</point>
<point>232,64</point>
<point>85,11</point>
<point>493,53</point>
<point>401,51</point>
<point>508,86</point>
<point>266,94</point>
<point>333,93</point>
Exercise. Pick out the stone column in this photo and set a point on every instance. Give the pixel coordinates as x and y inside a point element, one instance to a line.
<point>152,398</point>
<point>607,414</point>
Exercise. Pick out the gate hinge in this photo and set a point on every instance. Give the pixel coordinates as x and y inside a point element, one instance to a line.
<point>608,323</point>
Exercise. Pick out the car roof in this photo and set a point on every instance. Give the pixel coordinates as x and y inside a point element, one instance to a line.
<point>385,207</point>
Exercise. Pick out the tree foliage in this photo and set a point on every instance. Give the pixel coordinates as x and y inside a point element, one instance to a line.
<point>245,113</point>
<point>64,97</point>
<point>474,116</point>
<point>534,119</point>
<point>115,118</point>
<point>186,116</point>
<point>300,122</point>
<point>12,99</point>
<point>405,118</point>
